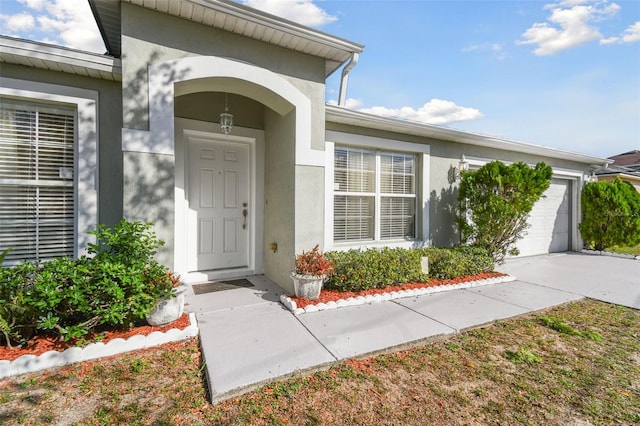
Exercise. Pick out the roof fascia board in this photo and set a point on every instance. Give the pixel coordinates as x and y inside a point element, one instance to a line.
<point>62,55</point>
<point>268,20</point>
<point>340,115</point>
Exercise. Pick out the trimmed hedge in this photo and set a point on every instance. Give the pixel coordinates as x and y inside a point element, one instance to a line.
<point>373,268</point>
<point>448,263</point>
<point>378,268</point>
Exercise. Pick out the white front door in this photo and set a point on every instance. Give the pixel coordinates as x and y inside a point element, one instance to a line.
<point>218,174</point>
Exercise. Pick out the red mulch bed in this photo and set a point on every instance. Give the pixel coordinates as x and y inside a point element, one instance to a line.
<point>335,295</point>
<point>41,344</point>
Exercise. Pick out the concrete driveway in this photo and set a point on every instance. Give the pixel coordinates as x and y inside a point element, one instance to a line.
<point>610,279</point>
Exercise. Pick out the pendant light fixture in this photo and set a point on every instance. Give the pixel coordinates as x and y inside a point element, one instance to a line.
<point>226,119</point>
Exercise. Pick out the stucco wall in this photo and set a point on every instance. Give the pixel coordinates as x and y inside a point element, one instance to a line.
<point>144,44</point>
<point>109,137</point>
<point>207,106</point>
<point>149,196</point>
<point>279,190</point>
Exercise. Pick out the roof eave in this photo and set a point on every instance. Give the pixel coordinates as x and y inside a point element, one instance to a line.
<point>340,115</point>
<point>61,59</point>
<point>335,50</point>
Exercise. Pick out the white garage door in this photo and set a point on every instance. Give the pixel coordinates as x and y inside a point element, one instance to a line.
<point>550,221</point>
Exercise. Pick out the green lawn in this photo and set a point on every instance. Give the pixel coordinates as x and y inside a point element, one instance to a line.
<point>635,250</point>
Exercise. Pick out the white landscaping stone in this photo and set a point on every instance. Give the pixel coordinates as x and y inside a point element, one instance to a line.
<point>50,359</point>
<point>137,342</point>
<point>24,364</point>
<point>72,355</point>
<point>376,298</point>
<point>5,368</point>
<point>310,308</point>
<point>342,303</point>
<point>156,339</point>
<point>94,350</point>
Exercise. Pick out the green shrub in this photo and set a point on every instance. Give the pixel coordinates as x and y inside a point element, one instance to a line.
<point>18,318</point>
<point>448,263</point>
<point>611,214</point>
<point>117,286</point>
<point>495,202</point>
<point>373,268</point>
<point>378,268</point>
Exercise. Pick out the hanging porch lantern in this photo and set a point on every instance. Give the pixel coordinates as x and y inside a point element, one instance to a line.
<point>226,118</point>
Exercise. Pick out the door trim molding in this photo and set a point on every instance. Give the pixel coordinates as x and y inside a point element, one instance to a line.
<point>185,128</point>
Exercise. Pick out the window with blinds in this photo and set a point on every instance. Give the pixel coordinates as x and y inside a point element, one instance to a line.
<point>374,195</point>
<point>37,195</point>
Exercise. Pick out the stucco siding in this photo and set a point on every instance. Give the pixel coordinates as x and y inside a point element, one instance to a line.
<point>279,210</point>
<point>144,45</point>
<point>149,196</point>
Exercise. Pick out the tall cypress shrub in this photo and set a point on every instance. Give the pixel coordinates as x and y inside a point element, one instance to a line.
<point>611,214</point>
<point>495,202</point>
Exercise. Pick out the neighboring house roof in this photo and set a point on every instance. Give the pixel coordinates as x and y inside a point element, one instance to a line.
<point>235,18</point>
<point>629,160</point>
<point>341,115</point>
<point>56,58</point>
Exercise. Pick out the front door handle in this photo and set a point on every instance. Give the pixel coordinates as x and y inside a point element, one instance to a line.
<point>244,215</point>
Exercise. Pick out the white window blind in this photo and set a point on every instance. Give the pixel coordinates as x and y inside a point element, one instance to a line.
<point>37,196</point>
<point>374,195</point>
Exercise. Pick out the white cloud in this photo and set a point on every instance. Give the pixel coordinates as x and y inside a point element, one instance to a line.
<point>62,22</point>
<point>569,25</point>
<point>436,111</point>
<point>304,12</point>
<point>18,22</point>
<point>632,34</point>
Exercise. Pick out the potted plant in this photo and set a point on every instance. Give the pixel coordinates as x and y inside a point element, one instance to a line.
<point>169,309</point>
<point>310,271</point>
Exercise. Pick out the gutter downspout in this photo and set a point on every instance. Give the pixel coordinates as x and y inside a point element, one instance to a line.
<point>345,78</point>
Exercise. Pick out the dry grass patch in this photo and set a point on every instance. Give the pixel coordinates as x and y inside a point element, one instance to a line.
<point>521,371</point>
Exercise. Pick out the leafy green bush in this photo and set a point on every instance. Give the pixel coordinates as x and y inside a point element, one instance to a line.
<point>374,268</point>
<point>495,202</point>
<point>378,268</point>
<point>118,285</point>
<point>611,214</point>
<point>448,263</point>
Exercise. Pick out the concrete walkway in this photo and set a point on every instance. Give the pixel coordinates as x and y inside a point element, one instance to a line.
<point>248,338</point>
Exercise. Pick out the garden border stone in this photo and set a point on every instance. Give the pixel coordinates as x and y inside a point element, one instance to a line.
<point>363,300</point>
<point>50,359</point>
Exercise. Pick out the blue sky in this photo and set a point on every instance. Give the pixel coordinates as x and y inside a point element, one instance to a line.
<point>562,74</point>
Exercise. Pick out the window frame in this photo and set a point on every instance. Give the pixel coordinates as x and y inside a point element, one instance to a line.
<point>85,104</point>
<point>421,155</point>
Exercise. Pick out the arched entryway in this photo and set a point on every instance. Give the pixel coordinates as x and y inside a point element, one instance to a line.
<point>266,144</point>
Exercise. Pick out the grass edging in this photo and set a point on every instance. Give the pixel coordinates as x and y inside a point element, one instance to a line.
<point>377,298</point>
<point>610,254</point>
<point>50,359</point>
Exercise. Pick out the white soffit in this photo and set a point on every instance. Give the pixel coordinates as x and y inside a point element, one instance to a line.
<point>236,18</point>
<point>340,115</point>
<point>61,59</point>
